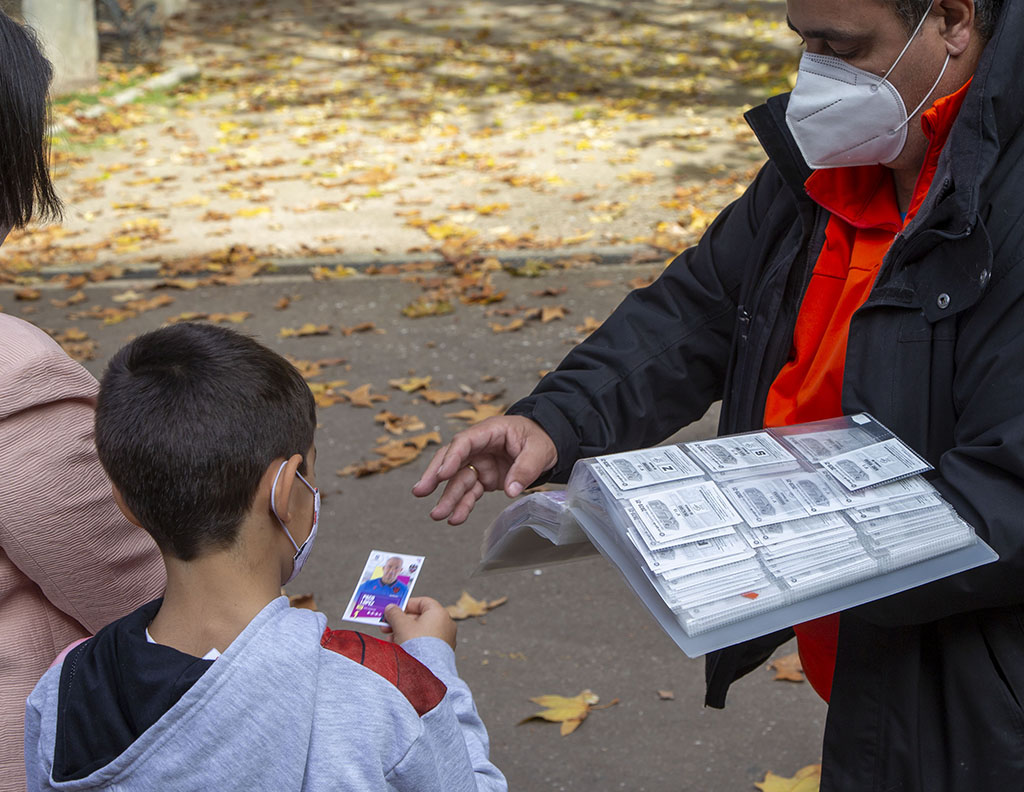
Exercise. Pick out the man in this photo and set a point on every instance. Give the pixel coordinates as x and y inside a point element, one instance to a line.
<point>873,265</point>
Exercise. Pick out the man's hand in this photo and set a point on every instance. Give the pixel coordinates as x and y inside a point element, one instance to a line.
<point>505,452</point>
<point>423,617</point>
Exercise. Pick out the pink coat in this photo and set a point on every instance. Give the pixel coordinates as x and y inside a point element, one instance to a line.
<point>69,561</point>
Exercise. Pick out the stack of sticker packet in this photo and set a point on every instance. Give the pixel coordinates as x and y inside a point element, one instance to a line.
<point>731,527</point>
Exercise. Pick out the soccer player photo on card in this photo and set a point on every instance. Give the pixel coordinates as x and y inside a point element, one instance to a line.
<point>387,579</point>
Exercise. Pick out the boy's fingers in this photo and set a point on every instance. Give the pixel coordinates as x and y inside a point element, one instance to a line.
<point>417,605</point>
<point>394,615</point>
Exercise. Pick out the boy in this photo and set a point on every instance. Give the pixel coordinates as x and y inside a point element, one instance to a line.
<point>207,437</point>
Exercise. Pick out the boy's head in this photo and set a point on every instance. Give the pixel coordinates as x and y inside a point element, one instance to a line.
<point>189,417</point>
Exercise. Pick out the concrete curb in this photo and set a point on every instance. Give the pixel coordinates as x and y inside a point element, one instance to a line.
<point>608,255</point>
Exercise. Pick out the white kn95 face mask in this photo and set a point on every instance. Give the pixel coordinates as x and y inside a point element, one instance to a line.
<point>842,116</point>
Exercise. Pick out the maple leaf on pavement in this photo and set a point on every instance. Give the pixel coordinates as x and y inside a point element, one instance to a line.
<point>807,779</point>
<point>468,606</point>
<point>361,396</point>
<point>308,329</point>
<point>569,711</point>
<point>439,397</point>
<point>410,384</point>
<point>479,413</point>
<point>788,668</point>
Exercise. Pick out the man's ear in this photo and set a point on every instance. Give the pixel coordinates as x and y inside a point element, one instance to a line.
<point>119,500</point>
<point>957,24</point>
<point>282,494</point>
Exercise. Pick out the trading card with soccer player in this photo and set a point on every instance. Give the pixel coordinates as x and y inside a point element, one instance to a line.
<point>387,578</point>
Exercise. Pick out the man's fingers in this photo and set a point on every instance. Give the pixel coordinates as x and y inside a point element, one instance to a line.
<point>466,504</point>
<point>536,457</point>
<point>463,481</point>
<point>429,480</point>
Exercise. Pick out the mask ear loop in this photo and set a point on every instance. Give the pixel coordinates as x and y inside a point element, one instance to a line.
<point>926,97</point>
<point>903,52</point>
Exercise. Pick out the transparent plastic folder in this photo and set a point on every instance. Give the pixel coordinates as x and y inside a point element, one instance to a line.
<point>732,538</point>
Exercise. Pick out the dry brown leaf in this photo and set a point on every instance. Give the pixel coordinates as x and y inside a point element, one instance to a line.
<point>188,316</point>
<point>308,329</point>
<point>27,295</point>
<point>362,327</point>
<point>127,296</point>
<point>361,396</point>
<point>600,283</point>
<point>468,606</point>
<point>302,601</point>
<point>439,397</point>
<point>74,299</point>
<point>393,454</point>
<point>550,291</point>
<point>666,695</point>
<point>421,307</point>
<point>410,384</point>
<point>326,273</point>
<point>399,424</point>
<point>141,306</point>
<point>237,317</point>
<point>550,314</point>
<point>479,413</point>
<point>569,711</point>
<point>283,303</point>
<point>807,779</point>
<point>590,324</point>
<point>511,327</point>
<point>788,668</point>
<point>177,283</point>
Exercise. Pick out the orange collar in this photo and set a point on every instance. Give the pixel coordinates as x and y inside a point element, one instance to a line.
<point>865,197</point>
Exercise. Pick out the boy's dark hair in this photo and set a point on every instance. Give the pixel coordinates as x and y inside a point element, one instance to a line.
<point>25,186</point>
<point>187,420</point>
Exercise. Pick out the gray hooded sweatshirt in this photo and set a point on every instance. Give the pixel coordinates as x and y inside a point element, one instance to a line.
<point>290,705</point>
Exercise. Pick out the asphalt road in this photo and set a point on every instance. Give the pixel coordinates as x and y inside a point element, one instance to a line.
<point>564,628</point>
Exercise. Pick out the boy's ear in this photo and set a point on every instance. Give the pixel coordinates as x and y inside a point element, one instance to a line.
<point>119,500</point>
<point>282,493</point>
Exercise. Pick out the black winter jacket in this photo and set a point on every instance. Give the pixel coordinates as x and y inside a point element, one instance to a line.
<point>928,693</point>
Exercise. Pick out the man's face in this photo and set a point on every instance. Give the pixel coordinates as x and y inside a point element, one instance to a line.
<point>391,570</point>
<point>869,35</point>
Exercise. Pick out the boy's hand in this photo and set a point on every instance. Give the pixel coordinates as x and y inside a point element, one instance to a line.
<point>422,617</point>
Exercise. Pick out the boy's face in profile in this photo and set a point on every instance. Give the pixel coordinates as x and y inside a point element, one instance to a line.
<point>392,569</point>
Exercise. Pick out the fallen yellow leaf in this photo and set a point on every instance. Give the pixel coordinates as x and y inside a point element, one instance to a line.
<point>410,384</point>
<point>468,606</point>
<point>479,413</point>
<point>308,329</point>
<point>788,668</point>
<point>361,396</point>
<point>807,779</point>
<point>569,711</point>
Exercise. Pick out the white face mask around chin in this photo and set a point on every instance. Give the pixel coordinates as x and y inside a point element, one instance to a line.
<point>842,116</point>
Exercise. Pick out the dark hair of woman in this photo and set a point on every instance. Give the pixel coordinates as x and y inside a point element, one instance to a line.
<point>25,187</point>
